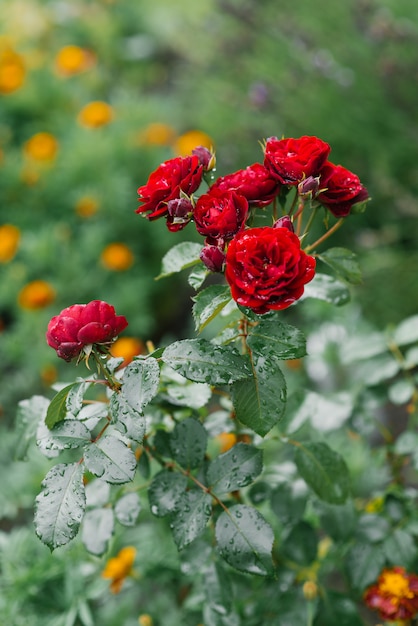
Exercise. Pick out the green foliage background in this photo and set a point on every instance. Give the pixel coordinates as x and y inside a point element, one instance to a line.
<point>240,71</point>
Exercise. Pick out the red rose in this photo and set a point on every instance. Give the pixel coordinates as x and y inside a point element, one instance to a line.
<point>80,325</point>
<point>182,174</point>
<point>266,268</point>
<point>292,160</point>
<point>254,183</point>
<point>220,214</point>
<point>342,189</point>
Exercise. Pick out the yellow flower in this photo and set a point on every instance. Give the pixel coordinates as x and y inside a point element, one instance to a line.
<point>120,567</point>
<point>126,347</point>
<point>95,114</point>
<point>310,590</point>
<point>72,60</point>
<point>145,620</point>
<point>41,147</point>
<point>226,441</point>
<point>375,505</point>
<point>187,142</point>
<point>9,242</point>
<point>157,134</point>
<point>36,295</point>
<point>117,257</point>
<point>86,206</point>
<point>12,71</point>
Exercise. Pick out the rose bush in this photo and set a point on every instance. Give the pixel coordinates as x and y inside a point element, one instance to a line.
<point>266,269</point>
<point>81,325</point>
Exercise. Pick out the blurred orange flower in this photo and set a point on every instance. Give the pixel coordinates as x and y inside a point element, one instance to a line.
<point>9,242</point>
<point>95,114</point>
<point>12,71</point>
<point>86,206</point>
<point>41,147</point>
<point>157,134</point>
<point>117,257</point>
<point>49,374</point>
<point>72,60</point>
<point>36,295</point>
<point>226,441</point>
<point>145,620</point>
<point>190,140</point>
<point>120,567</point>
<point>126,347</point>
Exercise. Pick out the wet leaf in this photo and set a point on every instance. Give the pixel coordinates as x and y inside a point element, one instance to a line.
<point>97,530</point>
<point>60,505</point>
<point>344,263</point>
<point>286,341</point>
<point>192,395</point>
<point>236,468</point>
<point>64,436</point>
<point>30,413</point>
<point>188,443</point>
<point>127,419</point>
<point>179,257</point>
<point>140,382</point>
<point>260,401</point>
<point>201,361</point>
<point>127,509</point>
<point>110,459</point>
<point>217,589</point>
<point>208,303</point>
<point>75,397</point>
<point>327,288</point>
<point>165,490</point>
<point>57,409</point>
<point>324,470</point>
<point>245,540</point>
<point>190,517</point>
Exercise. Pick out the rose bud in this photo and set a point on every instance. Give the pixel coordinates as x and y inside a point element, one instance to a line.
<point>206,157</point>
<point>179,213</point>
<point>308,187</point>
<point>213,257</point>
<point>284,222</point>
<point>81,325</point>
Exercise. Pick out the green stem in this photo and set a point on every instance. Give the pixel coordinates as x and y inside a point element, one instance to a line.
<point>310,220</point>
<point>329,232</point>
<point>294,202</point>
<point>114,384</point>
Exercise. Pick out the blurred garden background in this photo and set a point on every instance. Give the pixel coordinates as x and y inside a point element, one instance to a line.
<point>94,94</point>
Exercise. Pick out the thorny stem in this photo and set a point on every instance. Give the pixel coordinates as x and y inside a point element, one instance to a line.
<point>329,232</point>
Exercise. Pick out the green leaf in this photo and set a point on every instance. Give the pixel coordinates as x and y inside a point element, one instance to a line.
<point>127,509</point>
<point>406,332</point>
<point>110,459</point>
<point>245,540</point>
<point>201,361</point>
<point>181,256</point>
<point>97,530</point>
<point>57,410</point>
<point>60,505</point>
<point>301,544</point>
<point>66,435</point>
<point>75,397</point>
<point>260,401</point>
<point>406,443</point>
<point>236,468</point>
<point>30,413</point>
<point>371,528</point>
<point>344,263</point>
<point>140,382</point>
<point>165,490</point>
<point>288,501</point>
<point>286,341</point>
<point>327,288</point>
<point>324,470</point>
<point>190,517</point>
<point>191,395</point>
<point>338,520</point>
<point>217,589</point>
<point>336,608</point>
<point>364,562</point>
<point>208,303</point>
<point>188,443</point>
<point>127,419</point>
<point>198,276</point>
<point>400,548</point>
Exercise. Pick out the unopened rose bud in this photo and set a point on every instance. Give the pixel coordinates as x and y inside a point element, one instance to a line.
<point>179,208</point>
<point>284,222</point>
<point>308,187</point>
<point>206,157</point>
<point>213,257</point>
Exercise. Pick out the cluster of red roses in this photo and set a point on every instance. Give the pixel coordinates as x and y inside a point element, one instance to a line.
<point>265,267</point>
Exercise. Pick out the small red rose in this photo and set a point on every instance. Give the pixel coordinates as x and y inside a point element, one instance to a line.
<point>254,183</point>
<point>219,215</point>
<point>292,160</point>
<point>181,175</point>
<point>81,325</point>
<point>342,189</point>
<point>266,268</point>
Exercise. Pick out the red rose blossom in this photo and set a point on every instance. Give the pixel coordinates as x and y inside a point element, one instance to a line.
<point>254,183</point>
<point>292,160</point>
<point>80,325</point>
<point>266,268</point>
<point>395,595</point>
<point>342,189</point>
<point>181,174</point>
<point>220,214</point>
